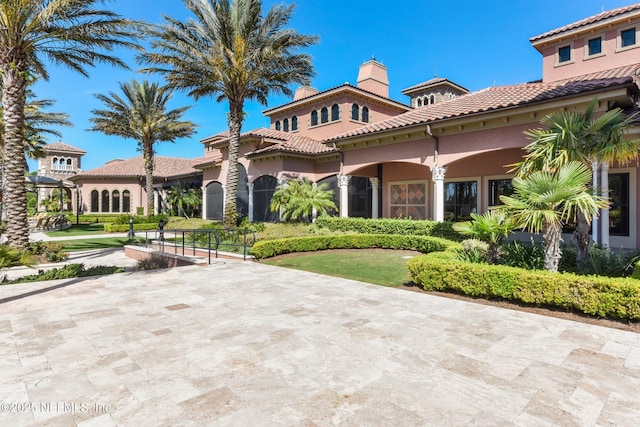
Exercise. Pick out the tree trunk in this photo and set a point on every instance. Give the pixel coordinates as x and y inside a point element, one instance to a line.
<point>235,128</point>
<point>15,197</point>
<point>148,170</point>
<point>582,240</point>
<point>552,237</point>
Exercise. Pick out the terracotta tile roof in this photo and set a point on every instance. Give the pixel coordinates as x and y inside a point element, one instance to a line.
<point>61,146</point>
<point>165,167</point>
<point>210,160</point>
<point>588,21</point>
<point>344,86</point>
<point>436,81</point>
<point>500,97</point>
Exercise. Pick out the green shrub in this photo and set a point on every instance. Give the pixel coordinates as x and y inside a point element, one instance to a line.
<point>600,296</point>
<point>11,257</point>
<point>522,255</point>
<point>68,272</point>
<point>636,271</point>
<point>390,226</point>
<point>473,250</point>
<point>52,251</point>
<point>123,228</point>
<point>139,210</point>
<point>424,244</point>
<point>153,262</point>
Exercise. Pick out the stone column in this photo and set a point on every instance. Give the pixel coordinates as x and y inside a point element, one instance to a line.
<point>375,181</point>
<point>343,182</point>
<point>438,173</point>
<point>204,202</point>
<point>155,202</point>
<point>604,193</point>
<point>250,201</point>
<point>314,211</point>
<point>595,225</point>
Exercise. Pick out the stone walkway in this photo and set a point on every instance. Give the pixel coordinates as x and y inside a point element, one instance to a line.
<point>246,344</point>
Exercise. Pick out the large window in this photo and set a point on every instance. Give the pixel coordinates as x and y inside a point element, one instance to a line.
<point>408,200</point>
<point>335,112</point>
<point>314,118</point>
<point>359,197</point>
<point>355,112</point>
<point>105,201</point>
<point>628,37</point>
<point>115,201</point>
<point>126,201</point>
<point>95,201</point>
<point>365,114</point>
<point>263,189</point>
<point>215,200</point>
<point>324,115</point>
<point>497,188</point>
<point>619,208</point>
<point>461,199</point>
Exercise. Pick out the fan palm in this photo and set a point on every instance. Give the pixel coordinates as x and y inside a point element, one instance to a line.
<point>185,199</point>
<point>490,227</point>
<point>233,52</point>
<point>34,33</point>
<point>141,114</point>
<point>298,199</point>
<point>544,201</point>
<point>584,137</point>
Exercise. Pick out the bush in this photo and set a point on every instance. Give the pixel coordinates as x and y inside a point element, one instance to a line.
<point>68,272</point>
<point>600,296</point>
<point>153,262</point>
<point>473,250</point>
<point>424,244</point>
<point>522,255</point>
<point>390,226</point>
<point>52,251</point>
<point>123,228</point>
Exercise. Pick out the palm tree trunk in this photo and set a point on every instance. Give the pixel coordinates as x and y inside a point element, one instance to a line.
<point>582,239</point>
<point>15,198</point>
<point>235,128</point>
<point>148,170</point>
<point>552,234</point>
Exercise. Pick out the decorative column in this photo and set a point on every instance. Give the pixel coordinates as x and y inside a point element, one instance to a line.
<point>314,211</point>
<point>595,224</point>
<point>155,202</point>
<point>164,200</point>
<point>437,174</point>
<point>343,182</point>
<point>282,183</point>
<point>375,181</point>
<point>204,202</point>
<point>604,193</point>
<point>250,184</point>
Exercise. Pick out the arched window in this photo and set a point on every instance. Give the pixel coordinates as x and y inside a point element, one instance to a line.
<point>335,112</point>
<point>432,100</point>
<point>242,196</point>
<point>115,201</point>
<point>126,201</point>
<point>419,102</point>
<point>285,125</point>
<point>355,112</point>
<point>215,200</point>
<point>324,115</point>
<point>68,164</point>
<point>54,163</point>
<point>365,114</point>
<point>95,204</point>
<point>263,189</point>
<point>278,125</point>
<point>105,201</point>
<point>294,123</point>
<point>314,118</point>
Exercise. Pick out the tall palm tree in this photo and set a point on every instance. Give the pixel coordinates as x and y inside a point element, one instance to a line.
<point>584,137</point>
<point>546,200</point>
<point>141,114</point>
<point>233,52</point>
<point>34,33</point>
<point>299,198</point>
<point>184,199</point>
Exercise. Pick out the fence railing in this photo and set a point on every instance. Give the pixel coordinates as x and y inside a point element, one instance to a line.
<point>211,241</point>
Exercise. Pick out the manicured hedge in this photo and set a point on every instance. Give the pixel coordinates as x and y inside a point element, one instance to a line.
<point>123,228</point>
<point>424,244</point>
<point>390,226</point>
<point>601,296</point>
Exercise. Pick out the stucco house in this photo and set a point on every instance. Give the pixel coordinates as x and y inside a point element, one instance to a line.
<point>443,153</point>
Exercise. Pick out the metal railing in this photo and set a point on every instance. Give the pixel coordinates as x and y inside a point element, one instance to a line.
<point>209,240</point>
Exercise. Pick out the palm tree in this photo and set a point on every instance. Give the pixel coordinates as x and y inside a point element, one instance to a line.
<point>490,227</point>
<point>142,115</point>
<point>546,200</point>
<point>185,199</point>
<point>34,33</point>
<point>233,52</point>
<point>584,137</point>
<point>299,198</point>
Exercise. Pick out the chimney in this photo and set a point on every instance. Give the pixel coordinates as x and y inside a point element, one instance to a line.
<point>304,91</point>
<point>372,77</point>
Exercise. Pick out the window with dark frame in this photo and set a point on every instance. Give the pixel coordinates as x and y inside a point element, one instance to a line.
<point>294,123</point>
<point>619,211</point>
<point>355,112</point>
<point>564,54</point>
<point>335,112</point>
<point>628,37</point>
<point>497,188</point>
<point>285,125</point>
<point>595,46</point>
<point>314,118</point>
<point>324,115</point>
<point>278,125</point>
<point>460,200</point>
<point>365,114</point>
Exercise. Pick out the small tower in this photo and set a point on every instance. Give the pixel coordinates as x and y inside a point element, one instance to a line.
<point>432,91</point>
<point>372,77</point>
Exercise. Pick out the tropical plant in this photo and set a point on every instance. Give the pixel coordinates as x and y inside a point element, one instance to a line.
<point>298,199</point>
<point>53,202</point>
<point>33,34</point>
<point>490,227</point>
<point>142,115</point>
<point>545,200</point>
<point>585,137</point>
<point>234,53</point>
<point>184,199</point>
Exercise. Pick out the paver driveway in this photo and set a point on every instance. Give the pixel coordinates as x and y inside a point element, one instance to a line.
<point>254,345</point>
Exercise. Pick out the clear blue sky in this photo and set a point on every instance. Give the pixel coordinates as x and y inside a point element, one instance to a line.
<point>475,43</point>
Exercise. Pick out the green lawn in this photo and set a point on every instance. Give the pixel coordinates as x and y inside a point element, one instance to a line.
<point>97,243</point>
<point>378,266</point>
<point>78,230</point>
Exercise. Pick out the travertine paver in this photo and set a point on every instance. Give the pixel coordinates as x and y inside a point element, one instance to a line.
<point>248,344</point>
